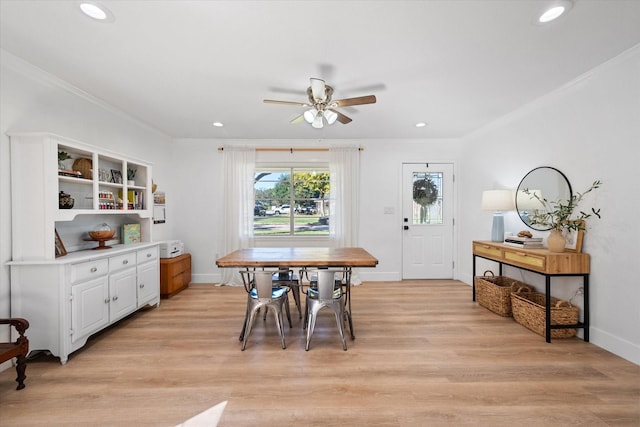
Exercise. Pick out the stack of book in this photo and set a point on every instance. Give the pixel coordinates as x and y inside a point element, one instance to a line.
<point>524,242</point>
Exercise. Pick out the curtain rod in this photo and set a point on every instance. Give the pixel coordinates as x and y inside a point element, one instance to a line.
<point>291,149</point>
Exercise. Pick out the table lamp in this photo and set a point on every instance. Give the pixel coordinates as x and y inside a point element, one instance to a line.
<point>497,201</point>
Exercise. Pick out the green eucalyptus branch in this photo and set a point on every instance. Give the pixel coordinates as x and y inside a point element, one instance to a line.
<point>559,214</point>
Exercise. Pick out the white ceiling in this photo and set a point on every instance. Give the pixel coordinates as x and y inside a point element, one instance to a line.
<point>179,65</point>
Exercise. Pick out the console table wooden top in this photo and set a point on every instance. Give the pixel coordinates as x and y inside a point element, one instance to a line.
<point>539,260</point>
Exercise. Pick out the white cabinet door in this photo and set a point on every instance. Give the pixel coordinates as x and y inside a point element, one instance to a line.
<point>122,290</point>
<point>148,282</point>
<point>89,307</point>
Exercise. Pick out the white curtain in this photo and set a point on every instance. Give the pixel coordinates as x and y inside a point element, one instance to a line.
<point>344,167</point>
<point>239,173</point>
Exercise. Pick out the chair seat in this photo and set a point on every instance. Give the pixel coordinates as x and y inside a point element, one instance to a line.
<point>314,294</point>
<point>276,292</point>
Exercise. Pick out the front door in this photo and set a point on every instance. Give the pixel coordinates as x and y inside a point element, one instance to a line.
<point>427,215</point>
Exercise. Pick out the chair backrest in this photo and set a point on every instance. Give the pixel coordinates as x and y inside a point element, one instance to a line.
<point>263,283</point>
<point>326,283</point>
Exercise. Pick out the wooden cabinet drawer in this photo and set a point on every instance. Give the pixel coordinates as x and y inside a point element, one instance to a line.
<point>486,250</point>
<point>89,270</point>
<point>175,275</point>
<point>526,259</point>
<point>122,261</point>
<point>148,254</point>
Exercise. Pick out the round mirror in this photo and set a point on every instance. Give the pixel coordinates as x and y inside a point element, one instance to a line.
<point>543,183</point>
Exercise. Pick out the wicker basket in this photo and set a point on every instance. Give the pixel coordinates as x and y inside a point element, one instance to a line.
<point>529,311</point>
<point>494,292</point>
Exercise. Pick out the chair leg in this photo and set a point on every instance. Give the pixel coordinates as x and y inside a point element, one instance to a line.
<point>277,314</point>
<point>21,367</point>
<point>247,329</point>
<point>244,325</point>
<point>288,312</point>
<point>312,324</point>
<point>340,322</point>
<point>306,315</point>
<point>296,298</point>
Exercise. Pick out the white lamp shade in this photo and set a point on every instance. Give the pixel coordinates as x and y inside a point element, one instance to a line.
<point>317,122</point>
<point>498,200</point>
<point>310,115</point>
<point>330,116</point>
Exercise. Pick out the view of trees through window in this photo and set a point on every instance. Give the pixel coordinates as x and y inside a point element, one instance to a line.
<point>291,201</point>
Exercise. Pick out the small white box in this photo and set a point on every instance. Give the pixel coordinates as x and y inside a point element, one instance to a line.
<point>171,248</point>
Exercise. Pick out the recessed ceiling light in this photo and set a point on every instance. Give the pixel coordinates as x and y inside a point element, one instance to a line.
<point>554,11</point>
<point>218,124</point>
<point>421,125</point>
<point>96,10</point>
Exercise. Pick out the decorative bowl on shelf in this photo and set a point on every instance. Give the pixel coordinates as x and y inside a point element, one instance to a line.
<point>101,234</point>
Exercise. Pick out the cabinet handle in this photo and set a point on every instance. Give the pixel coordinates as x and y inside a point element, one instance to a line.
<point>115,298</point>
<point>148,255</point>
<point>107,301</point>
<point>125,262</point>
<point>141,285</point>
<point>94,269</point>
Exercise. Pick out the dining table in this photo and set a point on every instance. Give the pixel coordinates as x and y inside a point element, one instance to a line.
<point>304,258</point>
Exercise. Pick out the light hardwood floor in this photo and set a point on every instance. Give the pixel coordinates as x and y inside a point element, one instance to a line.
<point>424,355</point>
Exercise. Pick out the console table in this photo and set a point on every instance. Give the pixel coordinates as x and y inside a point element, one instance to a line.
<point>541,261</point>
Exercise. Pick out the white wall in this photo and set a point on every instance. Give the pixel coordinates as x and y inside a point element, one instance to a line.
<point>589,130</point>
<point>31,100</point>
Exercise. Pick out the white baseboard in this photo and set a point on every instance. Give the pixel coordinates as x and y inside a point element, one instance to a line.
<point>616,345</point>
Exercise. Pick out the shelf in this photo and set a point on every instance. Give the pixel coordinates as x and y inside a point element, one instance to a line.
<point>35,191</point>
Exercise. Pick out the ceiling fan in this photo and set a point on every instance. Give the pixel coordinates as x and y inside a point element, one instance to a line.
<point>322,106</point>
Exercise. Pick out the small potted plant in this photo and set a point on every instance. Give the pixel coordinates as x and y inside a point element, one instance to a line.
<point>131,174</point>
<point>561,217</point>
<point>62,156</point>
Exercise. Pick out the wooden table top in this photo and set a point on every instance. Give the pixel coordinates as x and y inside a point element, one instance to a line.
<point>298,257</point>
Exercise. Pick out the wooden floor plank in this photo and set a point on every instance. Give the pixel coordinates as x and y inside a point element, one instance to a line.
<point>424,354</point>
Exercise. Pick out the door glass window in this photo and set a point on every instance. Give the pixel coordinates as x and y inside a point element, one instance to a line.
<point>427,198</point>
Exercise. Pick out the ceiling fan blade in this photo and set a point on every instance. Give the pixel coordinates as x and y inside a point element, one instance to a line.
<point>318,89</point>
<point>369,99</point>
<point>341,117</point>
<point>298,104</point>
<point>298,119</point>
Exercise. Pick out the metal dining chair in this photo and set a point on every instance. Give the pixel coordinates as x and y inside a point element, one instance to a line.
<point>286,277</point>
<point>261,293</point>
<point>327,289</point>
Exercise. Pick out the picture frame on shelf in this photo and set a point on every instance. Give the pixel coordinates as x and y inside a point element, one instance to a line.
<point>116,176</point>
<point>573,239</point>
<point>60,249</point>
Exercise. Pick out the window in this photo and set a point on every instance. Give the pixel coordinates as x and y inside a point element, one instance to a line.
<point>427,198</point>
<point>291,201</point>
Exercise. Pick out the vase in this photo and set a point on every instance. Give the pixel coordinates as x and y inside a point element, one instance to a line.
<point>556,241</point>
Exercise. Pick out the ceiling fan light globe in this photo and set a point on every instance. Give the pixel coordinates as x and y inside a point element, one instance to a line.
<point>317,122</point>
<point>330,116</point>
<point>310,115</point>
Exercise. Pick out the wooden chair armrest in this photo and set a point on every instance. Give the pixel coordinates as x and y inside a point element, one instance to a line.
<point>21,325</point>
